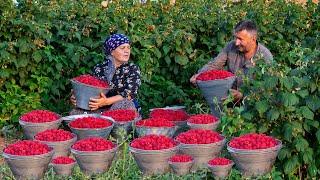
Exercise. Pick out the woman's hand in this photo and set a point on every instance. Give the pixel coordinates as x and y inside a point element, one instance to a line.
<point>237,95</point>
<point>73,98</point>
<point>95,104</point>
<point>193,79</point>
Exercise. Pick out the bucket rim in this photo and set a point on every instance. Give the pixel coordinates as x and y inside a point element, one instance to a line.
<point>77,82</point>
<point>75,151</point>
<point>255,151</point>
<point>143,151</point>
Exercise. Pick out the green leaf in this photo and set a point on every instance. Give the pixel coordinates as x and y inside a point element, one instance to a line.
<point>287,82</point>
<point>303,93</point>
<point>307,155</point>
<point>287,131</point>
<point>306,112</point>
<point>165,49</point>
<point>261,106</point>
<point>301,144</point>
<point>289,99</point>
<point>271,82</point>
<point>181,59</point>
<point>284,153</point>
<point>273,114</point>
<point>59,66</point>
<point>291,165</point>
<point>36,56</point>
<point>313,103</point>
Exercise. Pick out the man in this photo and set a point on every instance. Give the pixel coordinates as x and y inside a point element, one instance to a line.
<point>239,55</point>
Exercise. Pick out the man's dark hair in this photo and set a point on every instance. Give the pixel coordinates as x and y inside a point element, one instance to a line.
<point>248,25</point>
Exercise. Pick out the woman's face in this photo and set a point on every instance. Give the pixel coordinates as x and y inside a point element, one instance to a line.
<point>122,53</point>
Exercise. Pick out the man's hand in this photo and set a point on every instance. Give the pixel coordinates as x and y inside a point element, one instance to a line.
<point>95,104</point>
<point>193,79</point>
<point>73,98</point>
<point>237,95</point>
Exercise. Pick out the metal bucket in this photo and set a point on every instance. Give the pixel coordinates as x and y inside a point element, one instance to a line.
<point>220,171</point>
<point>215,89</point>
<point>90,132</point>
<point>123,128</point>
<point>211,126</point>
<point>31,129</point>
<point>61,148</point>
<point>166,131</point>
<point>84,92</point>
<point>63,169</point>
<point>28,167</point>
<point>201,153</point>
<point>181,168</point>
<point>255,162</point>
<point>94,162</point>
<point>153,162</point>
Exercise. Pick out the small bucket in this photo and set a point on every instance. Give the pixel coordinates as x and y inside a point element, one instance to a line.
<point>181,168</point>
<point>60,148</point>
<point>201,153</point>
<point>153,162</point>
<point>63,169</point>
<point>94,162</point>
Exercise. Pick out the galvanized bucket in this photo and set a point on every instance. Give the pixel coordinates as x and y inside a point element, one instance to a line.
<point>166,131</point>
<point>61,148</point>
<point>220,171</point>
<point>153,162</point>
<point>215,89</point>
<point>31,129</point>
<point>28,167</point>
<point>90,132</point>
<point>201,153</point>
<point>211,126</point>
<point>84,92</point>
<point>63,169</point>
<point>255,162</point>
<point>181,168</point>
<point>94,162</point>
<point>123,127</point>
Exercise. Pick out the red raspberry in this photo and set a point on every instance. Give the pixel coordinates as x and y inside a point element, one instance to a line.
<point>91,80</point>
<point>155,122</point>
<point>169,114</point>
<point>153,142</point>
<point>181,158</point>
<point>93,144</point>
<point>63,160</point>
<point>90,122</point>
<point>39,116</point>
<point>214,75</point>
<point>199,136</point>
<point>202,119</point>
<point>53,135</point>
<point>121,115</point>
<point>27,148</point>
<point>253,141</point>
<point>219,161</point>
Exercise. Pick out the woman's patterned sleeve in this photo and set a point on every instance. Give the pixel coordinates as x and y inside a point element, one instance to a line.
<point>98,71</point>
<point>132,83</point>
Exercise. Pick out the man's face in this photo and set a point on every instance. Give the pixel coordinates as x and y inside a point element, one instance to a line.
<point>245,41</point>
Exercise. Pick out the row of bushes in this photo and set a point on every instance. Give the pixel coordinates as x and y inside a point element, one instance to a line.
<point>45,43</point>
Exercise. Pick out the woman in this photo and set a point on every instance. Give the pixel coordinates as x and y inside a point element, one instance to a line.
<point>122,76</point>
